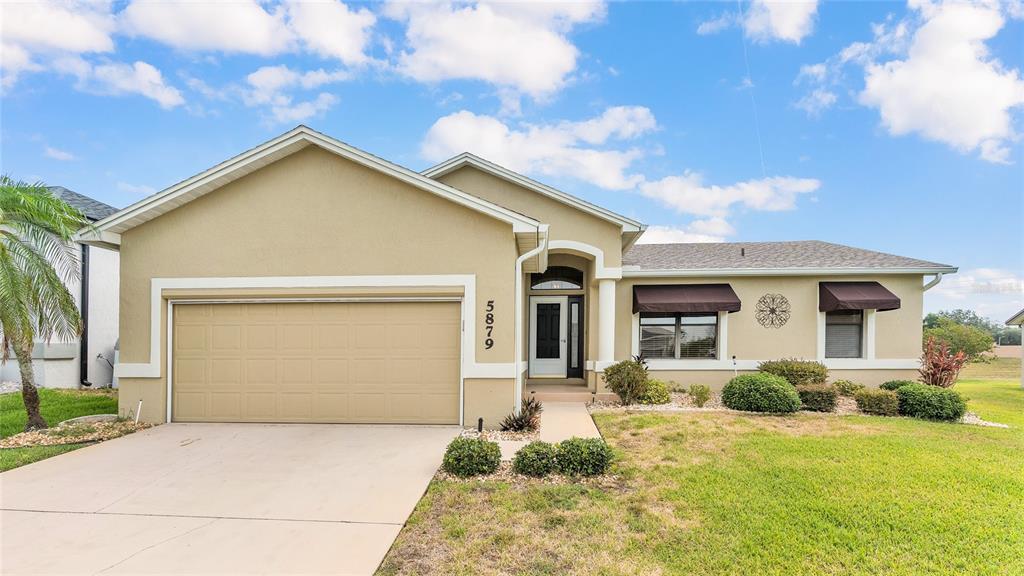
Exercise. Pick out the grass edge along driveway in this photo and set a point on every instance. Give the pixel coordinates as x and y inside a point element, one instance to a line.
<point>714,493</point>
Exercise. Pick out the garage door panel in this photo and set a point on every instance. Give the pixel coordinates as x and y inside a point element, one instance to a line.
<point>317,362</point>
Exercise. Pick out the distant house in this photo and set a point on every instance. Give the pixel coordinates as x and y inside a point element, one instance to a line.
<point>89,359</point>
<point>1018,320</point>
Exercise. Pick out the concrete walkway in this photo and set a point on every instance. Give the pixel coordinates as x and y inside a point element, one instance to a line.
<point>220,499</point>
<point>559,421</point>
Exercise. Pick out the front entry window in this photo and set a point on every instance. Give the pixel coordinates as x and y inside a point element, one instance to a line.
<point>683,336</point>
<point>557,278</point>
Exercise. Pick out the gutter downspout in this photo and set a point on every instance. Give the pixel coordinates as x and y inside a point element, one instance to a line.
<point>83,340</point>
<point>934,281</point>
<point>518,307</point>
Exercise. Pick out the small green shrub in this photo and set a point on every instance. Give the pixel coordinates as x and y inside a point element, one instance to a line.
<point>880,402</point>
<point>818,397</point>
<point>628,379</point>
<point>528,418</point>
<point>536,459</point>
<point>583,457</point>
<point>761,392</point>
<point>796,372</point>
<point>656,393</point>
<point>700,393</point>
<point>847,387</point>
<point>894,385</point>
<point>930,402</point>
<point>471,457</point>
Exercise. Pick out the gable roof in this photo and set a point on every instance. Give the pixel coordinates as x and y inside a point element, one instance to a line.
<point>92,209</point>
<point>812,256</point>
<point>469,159</point>
<point>107,231</point>
<point>1016,319</point>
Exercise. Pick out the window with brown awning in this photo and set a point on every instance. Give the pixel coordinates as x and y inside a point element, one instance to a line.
<point>833,296</point>
<point>685,298</point>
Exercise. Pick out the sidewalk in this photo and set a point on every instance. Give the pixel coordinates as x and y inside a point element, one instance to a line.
<point>559,421</point>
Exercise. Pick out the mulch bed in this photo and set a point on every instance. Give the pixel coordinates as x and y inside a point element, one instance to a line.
<point>73,434</point>
<point>499,435</point>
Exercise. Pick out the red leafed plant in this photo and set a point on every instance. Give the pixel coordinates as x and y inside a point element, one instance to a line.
<point>939,366</point>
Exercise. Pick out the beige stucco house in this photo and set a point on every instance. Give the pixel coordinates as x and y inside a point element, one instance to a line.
<point>308,281</point>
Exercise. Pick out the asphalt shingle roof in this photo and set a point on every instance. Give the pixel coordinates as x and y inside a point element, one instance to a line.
<point>93,209</point>
<point>764,255</point>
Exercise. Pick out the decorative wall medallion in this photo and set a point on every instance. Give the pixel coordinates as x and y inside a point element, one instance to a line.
<point>772,311</point>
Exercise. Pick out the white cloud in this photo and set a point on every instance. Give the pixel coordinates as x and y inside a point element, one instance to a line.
<point>948,87</point>
<point>36,32</point>
<point>298,112</point>
<point>993,292</point>
<point>706,230</point>
<point>564,149</point>
<point>331,30</point>
<point>768,20</point>
<point>785,20</point>
<point>135,189</point>
<point>58,154</point>
<point>272,87</point>
<point>522,47</point>
<point>819,100</point>
<point>237,26</point>
<point>138,78</point>
<point>687,194</point>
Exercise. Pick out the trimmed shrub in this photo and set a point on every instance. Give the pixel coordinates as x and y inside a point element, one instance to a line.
<point>536,459</point>
<point>761,393</point>
<point>471,457</point>
<point>847,387</point>
<point>656,393</point>
<point>880,402</point>
<point>894,385</point>
<point>700,393</point>
<point>818,397</point>
<point>796,372</point>
<point>628,379</point>
<point>528,418</point>
<point>583,457</point>
<point>930,402</point>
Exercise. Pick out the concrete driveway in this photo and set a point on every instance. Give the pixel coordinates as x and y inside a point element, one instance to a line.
<point>219,498</point>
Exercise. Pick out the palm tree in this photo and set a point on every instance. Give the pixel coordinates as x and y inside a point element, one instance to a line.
<point>37,259</point>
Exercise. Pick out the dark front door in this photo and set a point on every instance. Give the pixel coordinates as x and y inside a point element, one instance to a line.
<point>548,317</point>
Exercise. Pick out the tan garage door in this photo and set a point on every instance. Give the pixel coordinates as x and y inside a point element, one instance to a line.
<point>387,362</point>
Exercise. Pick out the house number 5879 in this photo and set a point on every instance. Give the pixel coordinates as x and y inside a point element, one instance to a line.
<point>489,325</point>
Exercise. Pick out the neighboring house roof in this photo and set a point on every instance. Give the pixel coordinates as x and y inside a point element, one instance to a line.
<point>92,209</point>
<point>107,231</point>
<point>812,256</point>
<point>1017,319</point>
<point>468,159</point>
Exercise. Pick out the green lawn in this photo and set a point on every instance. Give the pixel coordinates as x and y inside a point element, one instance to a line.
<point>1001,368</point>
<point>716,493</point>
<point>56,406</point>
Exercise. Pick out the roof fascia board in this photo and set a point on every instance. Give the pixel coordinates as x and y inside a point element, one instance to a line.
<point>519,222</point>
<point>1017,319</point>
<point>627,272</point>
<point>467,159</point>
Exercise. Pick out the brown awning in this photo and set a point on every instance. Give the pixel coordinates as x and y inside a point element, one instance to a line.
<point>834,296</point>
<point>685,298</point>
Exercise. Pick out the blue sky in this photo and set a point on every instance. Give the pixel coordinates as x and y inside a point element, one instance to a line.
<point>888,126</point>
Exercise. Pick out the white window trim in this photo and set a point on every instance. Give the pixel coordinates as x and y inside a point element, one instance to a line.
<point>867,343</point>
<point>470,367</point>
<point>722,362</point>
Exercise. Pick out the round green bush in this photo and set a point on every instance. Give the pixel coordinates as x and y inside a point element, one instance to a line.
<point>847,387</point>
<point>628,379</point>
<point>930,402</point>
<point>761,392</point>
<point>818,397</point>
<point>656,393</point>
<point>796,372</point>
<point>880,402</point>
<point>471,457</point>
<point>894,385</point>
<point>583,457</point>
<point>535,459</point>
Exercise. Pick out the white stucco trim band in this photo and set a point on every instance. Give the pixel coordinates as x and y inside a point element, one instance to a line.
<point>469,366</point>
<point>601,272</point>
